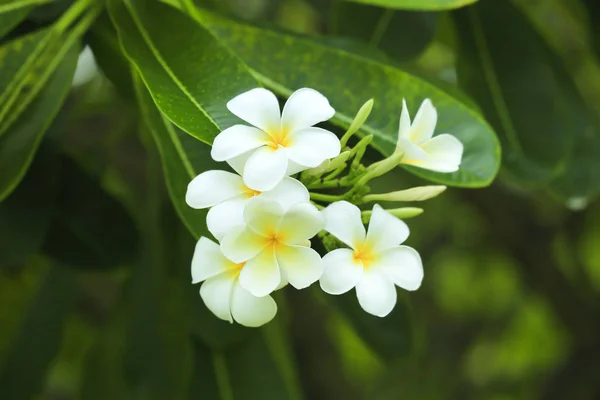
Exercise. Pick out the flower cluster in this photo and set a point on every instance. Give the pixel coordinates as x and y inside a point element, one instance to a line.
<point>264,220</point>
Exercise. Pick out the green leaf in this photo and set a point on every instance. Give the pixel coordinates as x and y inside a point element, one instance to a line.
<point>7,6</point>
<point>285,62</point>
<point>389,337</point>
<point>39,337</point>
<point>183,158</point>
<point>252,372</point>
<point>189,74</point>
<point>19,144</point>
<point>431,5</point>
<point>523,89</point>
<point>204,377</point>
<point>402,35</point>
<point>11,18</point>
<point>26,214</point>
<point>92,229</point>
<point>104,42</point>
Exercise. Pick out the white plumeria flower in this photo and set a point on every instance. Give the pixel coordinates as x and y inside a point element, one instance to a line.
<point>441,153</point>
<point>278,144</point>
<point>375,260</point>
<point>274,243</point>
<point>221,291</point>
<point>227,194</point>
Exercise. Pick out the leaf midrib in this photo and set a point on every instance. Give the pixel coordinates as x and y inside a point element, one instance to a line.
<point>146,37</point>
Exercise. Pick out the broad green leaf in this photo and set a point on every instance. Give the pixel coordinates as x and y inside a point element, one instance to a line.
<point>402,35</point>
<point>39,337</point>
<point>19,144</point>
<point>285,62</point>
<point>189,74</point>
<point>389,337</point>
<point>523,89</point>
<point>91,229</point>
<point>11,5</point>
<point>183,157</point>
<point>25,216</point>
<point>10,19</point>
<point>104,43</point>
<point>431,5</point>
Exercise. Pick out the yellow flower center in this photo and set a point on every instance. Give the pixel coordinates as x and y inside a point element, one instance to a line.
<point>279,137</point>
<point>236,269</point>
<point>275,239</point>
<point>364,254</point>
<point>249,193</point>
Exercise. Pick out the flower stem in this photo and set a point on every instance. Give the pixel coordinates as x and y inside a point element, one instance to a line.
<point>78,8</point>
<point>326,197</point>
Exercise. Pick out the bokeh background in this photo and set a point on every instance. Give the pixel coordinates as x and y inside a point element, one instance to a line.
<point>510,303</point>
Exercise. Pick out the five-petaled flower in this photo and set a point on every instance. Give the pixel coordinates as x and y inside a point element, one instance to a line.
<point>221,290</point>
<point>441,153</point>
<point>274,245</point>
<point>227,195</point>
<point>375,261</point>
<point>278,144</point>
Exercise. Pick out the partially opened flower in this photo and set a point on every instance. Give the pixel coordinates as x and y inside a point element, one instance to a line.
<point>227,194</point>
<point>375,260</point>
<point>221,290</point>
<point>277,144</point>
<point>441,153</point>
<point>274,244</point>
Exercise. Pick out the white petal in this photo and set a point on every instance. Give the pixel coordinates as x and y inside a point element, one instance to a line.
<point>294,168</point>
<point>404,128</point>
<point>212,187</point>
<point>403,266</point>
<point>341,272</point>
<point>424,124</point>
<point>263,216</point>
<point>311,146</point>
<point>260,275</point>
<point>413,154</point>
<point>225,216</point>
<point>376,293</point>
<point>301,266</point>
<point>445,153</point>
<point>288,192</point>
<point>305,107</point>
<point>302,221</point>
<point>343,220</point>
<point>238,163</point>
<point>242,244</point>
<point>259,107</point>
<point>265,168</point>
<point>208,261</point>
<point>237,140</point>
<point>385,230</point>
<point>249,310</point>
<point>216,293</point>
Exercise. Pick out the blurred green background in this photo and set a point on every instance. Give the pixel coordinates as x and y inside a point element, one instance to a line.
<point>97,304</point>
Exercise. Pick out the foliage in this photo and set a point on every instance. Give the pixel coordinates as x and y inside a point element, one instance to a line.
<point>96,238</point>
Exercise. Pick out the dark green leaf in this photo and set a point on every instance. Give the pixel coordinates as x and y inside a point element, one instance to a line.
<point>104,43</point>
<point>252,373</point>
<point>183,157</point>
<point>26,214</point>
<point>287,62</point>
<point>402,35</point>
<point>19,144</point>
<point>431,5</point>
<point>522,88</point>
<point>10,19</point>
<point>39,337</point>
<point>204,377</point>
<point>92,229</point>
<point>189,74</point>
<point>389,337</point>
